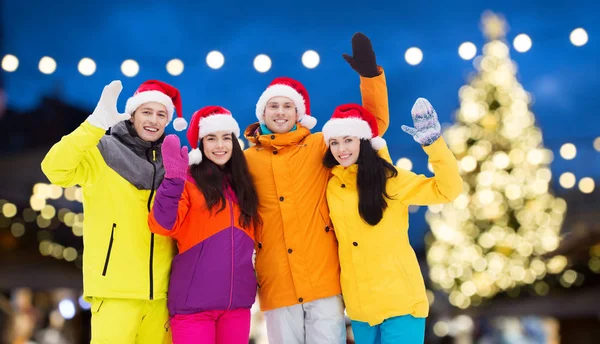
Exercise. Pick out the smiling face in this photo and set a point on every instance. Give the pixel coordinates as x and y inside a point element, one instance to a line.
<point>150,120</point>
<point>345,149</point>
<point>280,114</point>
<point>218,146</point>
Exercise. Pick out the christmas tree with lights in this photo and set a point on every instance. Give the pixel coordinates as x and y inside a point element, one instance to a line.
<point>493,237</point>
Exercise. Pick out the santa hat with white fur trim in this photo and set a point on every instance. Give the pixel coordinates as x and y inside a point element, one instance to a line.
<point>208,120</point>
<point>162,93</point>
<point>353,120</point>
<point>287,87</point>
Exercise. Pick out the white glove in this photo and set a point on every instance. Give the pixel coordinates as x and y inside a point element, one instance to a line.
<point>105,114</point>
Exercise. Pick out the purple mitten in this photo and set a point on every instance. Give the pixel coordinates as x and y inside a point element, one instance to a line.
<point>175,157</point>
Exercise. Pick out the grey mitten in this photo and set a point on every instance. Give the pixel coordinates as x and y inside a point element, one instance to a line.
<point>427,126</point>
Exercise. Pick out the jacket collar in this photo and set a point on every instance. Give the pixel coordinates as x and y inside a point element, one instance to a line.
<point>130,157</point>
<point>347,174</point>
<point>126,134</point>
<point>254,135</point>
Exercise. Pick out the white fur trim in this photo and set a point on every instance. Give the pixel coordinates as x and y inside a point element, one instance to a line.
<point>194,157</point>
<point>378,142</point>
<point>150,96</point>
<point>351,126</point>
<point>218,122</point>
<point>180,124</point>
<point>308,121</point>
<point>280,90</point>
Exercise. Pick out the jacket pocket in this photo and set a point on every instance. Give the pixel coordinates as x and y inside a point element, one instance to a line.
<point>408,283</point>
<point>257,250</point>
<point>324,211</point>
<point>110,245</point>
<point>258,280</point>
<point>258,239</point>
<point>96,304</point>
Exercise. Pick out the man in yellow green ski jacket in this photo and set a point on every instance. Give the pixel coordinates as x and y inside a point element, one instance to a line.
<point>125,266</point>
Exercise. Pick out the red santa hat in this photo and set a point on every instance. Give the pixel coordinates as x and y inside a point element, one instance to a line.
<point>287,87</point>
<point>209,119</point>
<point>353,120</point>
<point>162,93</point>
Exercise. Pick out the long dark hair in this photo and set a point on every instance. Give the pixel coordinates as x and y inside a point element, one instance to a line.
<point>372,175</point>
<point>210,179</point>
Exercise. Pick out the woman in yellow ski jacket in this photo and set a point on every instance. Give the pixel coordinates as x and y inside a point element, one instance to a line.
<point>368,201</point>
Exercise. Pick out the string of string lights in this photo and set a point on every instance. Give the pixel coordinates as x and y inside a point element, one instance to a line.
<point>262,62</point>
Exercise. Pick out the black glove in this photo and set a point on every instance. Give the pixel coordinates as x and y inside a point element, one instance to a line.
<point>363,60</point>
